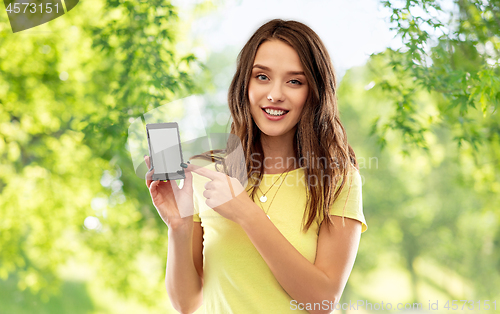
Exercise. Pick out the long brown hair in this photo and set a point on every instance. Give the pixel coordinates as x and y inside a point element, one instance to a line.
<point>320,138</point>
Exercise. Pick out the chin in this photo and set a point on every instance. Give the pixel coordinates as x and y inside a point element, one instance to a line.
<point>273,134</point>
<point>269,131</point>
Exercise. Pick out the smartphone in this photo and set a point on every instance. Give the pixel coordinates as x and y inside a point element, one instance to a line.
<point>165,151</point>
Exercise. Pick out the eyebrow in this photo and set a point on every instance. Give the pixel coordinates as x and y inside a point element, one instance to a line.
<point>263,67</point>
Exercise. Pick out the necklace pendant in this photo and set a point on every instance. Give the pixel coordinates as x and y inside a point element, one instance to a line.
<point>263,198</point>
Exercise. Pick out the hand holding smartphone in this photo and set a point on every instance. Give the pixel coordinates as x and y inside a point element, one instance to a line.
<point>175,205</point>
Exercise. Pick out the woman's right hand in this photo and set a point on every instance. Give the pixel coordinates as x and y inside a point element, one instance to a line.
<point>174,205</point>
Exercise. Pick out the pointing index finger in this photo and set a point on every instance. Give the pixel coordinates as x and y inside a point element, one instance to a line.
<point>212,175</point>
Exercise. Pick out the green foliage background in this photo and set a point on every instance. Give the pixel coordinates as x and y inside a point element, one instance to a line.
<point>423,121</point>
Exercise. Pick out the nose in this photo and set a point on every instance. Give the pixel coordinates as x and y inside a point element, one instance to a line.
<point>276,93</point>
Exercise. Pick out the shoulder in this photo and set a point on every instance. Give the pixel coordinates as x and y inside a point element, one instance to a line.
<point>349,202</point>
<point>352,179</point>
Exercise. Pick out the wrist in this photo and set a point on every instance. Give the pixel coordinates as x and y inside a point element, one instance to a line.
<point>181,229</point>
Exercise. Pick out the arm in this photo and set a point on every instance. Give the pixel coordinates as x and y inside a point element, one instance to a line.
<point>184,275</point>
<point>303,281</point>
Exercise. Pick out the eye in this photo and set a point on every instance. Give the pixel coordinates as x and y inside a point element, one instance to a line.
<point>261,77</point>
<point>296,82</point>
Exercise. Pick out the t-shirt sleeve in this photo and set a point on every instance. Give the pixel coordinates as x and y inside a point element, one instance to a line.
<point>196,218</point>
<point>196,201</point>
<point>349,203</point>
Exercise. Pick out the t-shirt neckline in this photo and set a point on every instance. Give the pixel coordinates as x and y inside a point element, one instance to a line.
<point>278,174</point>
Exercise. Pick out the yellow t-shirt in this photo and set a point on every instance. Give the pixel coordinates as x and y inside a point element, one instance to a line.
<point>236,277</point>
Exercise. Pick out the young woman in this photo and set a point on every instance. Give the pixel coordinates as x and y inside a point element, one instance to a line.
<point>287,240</point>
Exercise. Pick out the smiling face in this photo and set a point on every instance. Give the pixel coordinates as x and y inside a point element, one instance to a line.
<point>277,89</point>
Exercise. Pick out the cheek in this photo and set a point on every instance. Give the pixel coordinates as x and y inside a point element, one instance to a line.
<point>301,100</point>
<point>253,94</point>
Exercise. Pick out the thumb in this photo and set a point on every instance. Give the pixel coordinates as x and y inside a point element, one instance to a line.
<point>188,181</point>
<point>174,186</point>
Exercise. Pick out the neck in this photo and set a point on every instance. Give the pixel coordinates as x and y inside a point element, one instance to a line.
<point>278,153</point>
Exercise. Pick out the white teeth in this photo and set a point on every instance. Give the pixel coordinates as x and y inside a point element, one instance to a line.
<point>274,112</point>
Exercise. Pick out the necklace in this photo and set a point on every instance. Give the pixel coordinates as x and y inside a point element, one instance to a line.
<point>263,198</point>
<point>274,193</point>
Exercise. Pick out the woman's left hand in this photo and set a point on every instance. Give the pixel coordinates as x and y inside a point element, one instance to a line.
<point>225,195</point>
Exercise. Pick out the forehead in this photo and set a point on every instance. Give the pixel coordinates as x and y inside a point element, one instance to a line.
<point>278,55</point>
